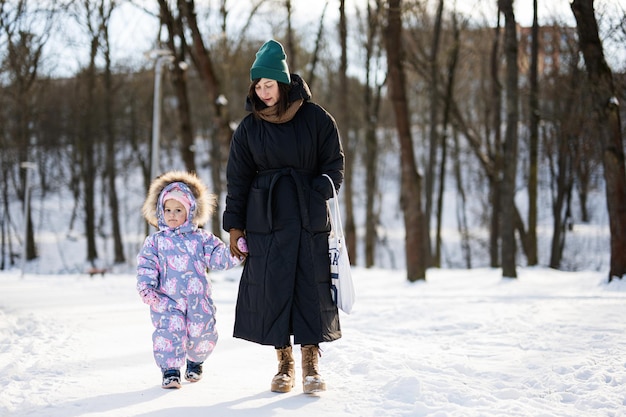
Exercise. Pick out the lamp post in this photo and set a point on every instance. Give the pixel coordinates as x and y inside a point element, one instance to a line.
<point>162,57</point>
<point>27,166</point>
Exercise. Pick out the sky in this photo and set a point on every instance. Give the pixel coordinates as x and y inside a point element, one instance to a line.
<point>134,32</point>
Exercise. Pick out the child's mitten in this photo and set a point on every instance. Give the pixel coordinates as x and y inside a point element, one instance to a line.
<point>149,296</point>
<point>242,244</point>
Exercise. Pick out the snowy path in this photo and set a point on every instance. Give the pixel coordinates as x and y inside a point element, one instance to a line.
<point>466,343</point>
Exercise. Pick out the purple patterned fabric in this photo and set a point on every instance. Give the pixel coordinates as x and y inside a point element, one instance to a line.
<point>174,263</point>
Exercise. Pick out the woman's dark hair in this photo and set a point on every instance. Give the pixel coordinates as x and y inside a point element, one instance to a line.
<point>281,105</point>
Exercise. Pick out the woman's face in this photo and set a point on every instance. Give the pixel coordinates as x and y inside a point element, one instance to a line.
<point>174,213</point>
<point>267,90</point>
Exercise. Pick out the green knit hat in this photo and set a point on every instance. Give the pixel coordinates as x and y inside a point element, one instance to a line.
<point>271,63</point>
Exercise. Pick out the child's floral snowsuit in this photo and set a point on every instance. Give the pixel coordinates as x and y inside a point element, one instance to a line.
<point>174,263</point>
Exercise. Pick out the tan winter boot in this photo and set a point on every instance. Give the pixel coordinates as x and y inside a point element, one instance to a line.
<point>285,379</point>
<point>311,379</point>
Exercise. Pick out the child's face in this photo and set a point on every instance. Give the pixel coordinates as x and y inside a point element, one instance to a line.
<point>174,213</point>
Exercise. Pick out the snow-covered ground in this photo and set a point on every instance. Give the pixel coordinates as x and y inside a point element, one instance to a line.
<point>464,343</point>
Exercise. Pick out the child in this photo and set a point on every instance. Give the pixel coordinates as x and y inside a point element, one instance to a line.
<point>171,274</point>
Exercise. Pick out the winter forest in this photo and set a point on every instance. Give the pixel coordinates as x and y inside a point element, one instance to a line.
<point>515,127</point>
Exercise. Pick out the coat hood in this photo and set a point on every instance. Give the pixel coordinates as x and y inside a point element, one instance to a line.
<point>202,202</point>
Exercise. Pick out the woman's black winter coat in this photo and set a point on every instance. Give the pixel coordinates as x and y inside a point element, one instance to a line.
<point>277,194</point>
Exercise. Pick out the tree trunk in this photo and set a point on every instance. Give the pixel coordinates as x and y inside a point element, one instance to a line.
<point>23,135</point>
<point>291,45</point>
<point>87,145</point>
<point>495,176</point>
<point>310,79</point>
<point>510,142</point>
<point>22,59</point>
<point>563,154</point>
<point>434,134</point>
<point>204,64</point>
<point>87,137</point>
<point>606,109</point>
<point>371,112</point>
<point>111,170</point>
<point>410,182</point>
<point>531,242</point>
<point>175,31</point>
<point>562,178</point>
<point>461,205</point>
<point>495,201</point>
<point>184,117</point>
<point>348,147</point>
<point>448,99</point>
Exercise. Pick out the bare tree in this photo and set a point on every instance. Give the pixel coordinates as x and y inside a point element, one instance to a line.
<point>316,53</point>
<point>587,163</point>
<point>531,243</point>
<point>453,57</point>
<point>475,113</point>
<point>371,100</point>
<point>562,181</point>
<point>203,61</point>
<point>484,135</point>
<point>461,211</point>
<point>291,45</point>
<point>494,152</point>
<point>176,43</point>
<point>434,135</point>
<point>110,173</point>
<point>348,147</point>
<point>606,108</point>
<point>410,187</point>
<point>564,96</point>
<point>86,140</point>
<point>21,61</point>
<point>510,142</point>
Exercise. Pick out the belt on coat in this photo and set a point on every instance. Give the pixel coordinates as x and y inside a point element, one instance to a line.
<point>296,174</point>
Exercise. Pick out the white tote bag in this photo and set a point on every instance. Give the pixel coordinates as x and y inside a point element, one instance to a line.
<point>342,287</point>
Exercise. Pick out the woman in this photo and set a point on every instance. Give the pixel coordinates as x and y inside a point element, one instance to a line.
<point>277,198</point>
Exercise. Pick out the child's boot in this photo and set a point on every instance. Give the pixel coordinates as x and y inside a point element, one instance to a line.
<point>194,371</point>
<point>285,379</point>
<point>311,379</point>
<point>171,379</point>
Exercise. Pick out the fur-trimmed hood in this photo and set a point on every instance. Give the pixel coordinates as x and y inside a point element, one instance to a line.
<point>202,201</point>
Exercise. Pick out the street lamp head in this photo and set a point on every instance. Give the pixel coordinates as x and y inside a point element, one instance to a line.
<point>157,53</point>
